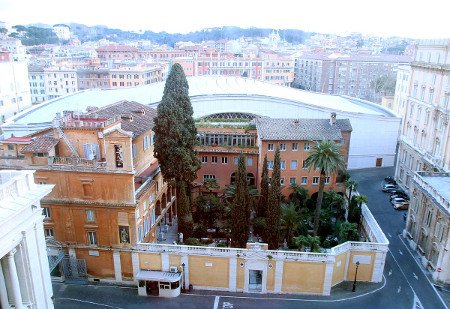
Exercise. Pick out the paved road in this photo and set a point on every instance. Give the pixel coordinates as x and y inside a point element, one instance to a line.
<point>406,285</point>
<point>401,261</point>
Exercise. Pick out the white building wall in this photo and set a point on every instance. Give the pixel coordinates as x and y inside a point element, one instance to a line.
<point>23,253</point>
<point>14,88</point>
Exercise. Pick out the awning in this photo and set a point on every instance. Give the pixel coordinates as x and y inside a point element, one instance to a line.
<point>153,275</point>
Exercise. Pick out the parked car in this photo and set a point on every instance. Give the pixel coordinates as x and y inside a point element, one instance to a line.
<point>398,200</point>
<point>401,206</point>
<point>398,191</point>
<point>390,180</point>
<point>399,195</point>
<point>388,187</point>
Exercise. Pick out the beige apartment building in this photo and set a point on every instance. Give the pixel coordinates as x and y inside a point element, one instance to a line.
<point>60,81</point>
<point>342,74</point>
<point>132,76</point>
<point>424,140</point>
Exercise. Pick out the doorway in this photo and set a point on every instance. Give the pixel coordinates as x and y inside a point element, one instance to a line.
<point>379,162</point>
<point>152,288</point>
<point>255,280</point>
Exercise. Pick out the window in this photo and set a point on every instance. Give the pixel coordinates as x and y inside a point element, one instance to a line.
<point>235,160</point>
<point>133,151</point>
<point>48,233</point>
<point>428,218</point>
<point>92,238</point>
<point>10,147</point>
<point>327,180</point>
<point>293,164</point>
<point>138,213</point>
<point>283,164</point>
<point>292,180</point>
<point>283,147</point>
<point>146,142</point>
<point>90,215</point>
<point>304,180</point>
<point>249,161</point>
<point>206,177</point>
<point>214,159</point>
<point>304,164</point>
<point>294,146</point>
<point>282,181</point>
<point>119,155</point>
<point>306,147</point>
<point>270,147</point>
<point>144,205</point>
<point>270,165</point>
<point>46,212</point>
<point>152,217</point>
<point>140,233</point>
<point>204,159</point>
<point>315,180</point>
<point>224,160</point>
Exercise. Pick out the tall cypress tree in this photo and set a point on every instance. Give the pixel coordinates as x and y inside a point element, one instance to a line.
<point>262,205</point>
<point>175,138</point>
<point>274,204</point>
<point>240,210</point>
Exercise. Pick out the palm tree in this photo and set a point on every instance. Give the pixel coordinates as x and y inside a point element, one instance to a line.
<point>360,199</point>
<point>326,157</point>
<point>350,185</point>
<point>299,195</point>
<point>290,220</point>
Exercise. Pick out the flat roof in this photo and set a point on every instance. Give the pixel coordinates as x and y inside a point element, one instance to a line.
<point>439,183</point>
<point>153,275</point>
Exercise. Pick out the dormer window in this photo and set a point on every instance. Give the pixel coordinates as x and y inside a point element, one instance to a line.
<point>119,155</point>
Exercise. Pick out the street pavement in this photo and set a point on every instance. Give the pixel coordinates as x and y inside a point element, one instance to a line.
<point>406,284</point>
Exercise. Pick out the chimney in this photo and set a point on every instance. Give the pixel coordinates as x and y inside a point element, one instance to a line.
<point>333,119</point>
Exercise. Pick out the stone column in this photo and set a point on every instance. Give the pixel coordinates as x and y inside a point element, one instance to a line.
<point>15,285</point>
<point>4,303</point>
<point>328,278</point>
<point>165,262</point>
<point>279,268</point>
<point>117,266</point>
<point>135,264</point>
<point>232,274</point>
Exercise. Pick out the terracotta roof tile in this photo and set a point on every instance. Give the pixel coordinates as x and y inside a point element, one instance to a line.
<point>301,129</point>
<point>40,144</point>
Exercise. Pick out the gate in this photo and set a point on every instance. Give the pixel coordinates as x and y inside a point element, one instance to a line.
<point>74,268</point>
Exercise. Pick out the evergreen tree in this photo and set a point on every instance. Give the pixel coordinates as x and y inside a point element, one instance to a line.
<point>184,212</point>
<point>175,138</point>
<point>262,206</point>
<point>240,209</point>
<point>326,157</point>
<point>274,204</point>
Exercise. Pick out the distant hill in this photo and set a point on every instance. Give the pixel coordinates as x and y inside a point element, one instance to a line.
<point>87,33</point>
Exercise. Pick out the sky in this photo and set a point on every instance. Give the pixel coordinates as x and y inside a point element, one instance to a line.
<point>405,18</point>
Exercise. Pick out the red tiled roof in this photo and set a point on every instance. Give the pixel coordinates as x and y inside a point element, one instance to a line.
<point>17,140</point>
<point>40,144</point>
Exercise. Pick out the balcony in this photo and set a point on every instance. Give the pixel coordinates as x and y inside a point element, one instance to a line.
<point>75,162</point>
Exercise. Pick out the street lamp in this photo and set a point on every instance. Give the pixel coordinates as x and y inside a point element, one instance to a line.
<point>184,277</point>
<point>356,273</point>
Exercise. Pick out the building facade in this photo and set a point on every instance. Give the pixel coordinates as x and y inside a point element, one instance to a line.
<point>109,193</point>
<point>351,75</point>
<point>424,140</point>
<point>14,88</point>
<point>428,222</point>
<point>24,268</point>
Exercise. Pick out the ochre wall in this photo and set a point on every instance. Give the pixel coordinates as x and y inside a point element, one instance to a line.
<point>271,276</point>
<point>150,261</point>
<point>215,275</point>
<point>240,274</point>
<point>105,259</point>
<point>339,268</point>
<point>175,260</point>
<point>364,270</point>
<point>126,264</point>
<point>303,277</point>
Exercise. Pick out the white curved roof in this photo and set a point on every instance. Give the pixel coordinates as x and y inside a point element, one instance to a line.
<point>200,89</point>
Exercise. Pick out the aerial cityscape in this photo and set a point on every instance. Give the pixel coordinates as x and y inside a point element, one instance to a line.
<point>223,162</point>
